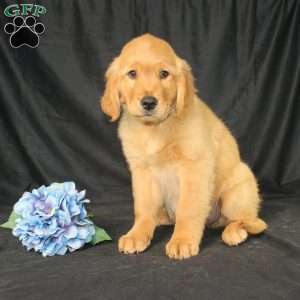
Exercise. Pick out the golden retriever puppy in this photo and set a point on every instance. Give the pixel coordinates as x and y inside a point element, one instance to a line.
<point>184,162</point>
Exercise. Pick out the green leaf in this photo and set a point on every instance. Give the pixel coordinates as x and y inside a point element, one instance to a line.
<point>100,236</point>
<point>11,222</point>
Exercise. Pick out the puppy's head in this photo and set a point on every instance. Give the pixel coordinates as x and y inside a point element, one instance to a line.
<point>147,80</point>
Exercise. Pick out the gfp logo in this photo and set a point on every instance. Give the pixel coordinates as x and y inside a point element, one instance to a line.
<point>24,30</point>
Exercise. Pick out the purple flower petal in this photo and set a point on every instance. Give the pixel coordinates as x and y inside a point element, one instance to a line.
<point>71,232</point>
<point>75,244</point>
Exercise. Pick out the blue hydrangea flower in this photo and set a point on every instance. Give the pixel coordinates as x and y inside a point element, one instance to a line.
<point>53,219</point>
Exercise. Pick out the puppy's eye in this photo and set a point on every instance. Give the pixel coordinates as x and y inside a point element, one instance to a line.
<point>163,74</point>
<point>132,74</point>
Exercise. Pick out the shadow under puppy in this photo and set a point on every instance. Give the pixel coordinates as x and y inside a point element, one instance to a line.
<point>184,162</point>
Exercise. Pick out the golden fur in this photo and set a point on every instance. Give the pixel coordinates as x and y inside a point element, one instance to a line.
<point>182,158</point>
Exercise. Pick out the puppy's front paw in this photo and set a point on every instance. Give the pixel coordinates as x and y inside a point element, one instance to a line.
<point>181,248</point>
<point>129,244</point>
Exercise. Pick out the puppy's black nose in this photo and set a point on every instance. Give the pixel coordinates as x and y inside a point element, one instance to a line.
<point>149,103</point>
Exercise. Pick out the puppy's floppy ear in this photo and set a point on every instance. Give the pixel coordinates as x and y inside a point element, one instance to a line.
<point>110,101</point>
<point>185,85</point>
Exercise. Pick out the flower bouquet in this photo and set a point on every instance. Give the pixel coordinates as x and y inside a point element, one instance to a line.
<point>53,220</point>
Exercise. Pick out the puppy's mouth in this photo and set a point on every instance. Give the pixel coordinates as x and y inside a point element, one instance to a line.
<point>152,118</point>
<point>148,117</point>
<point>148,114</point>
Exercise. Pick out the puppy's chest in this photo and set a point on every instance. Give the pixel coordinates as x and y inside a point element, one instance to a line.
<point>168,183</point>
<point>152,146</point>
<point>156,151</point>
<point>160,159</point>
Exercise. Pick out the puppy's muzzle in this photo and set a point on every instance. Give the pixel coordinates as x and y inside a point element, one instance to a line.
<point>149,103</point>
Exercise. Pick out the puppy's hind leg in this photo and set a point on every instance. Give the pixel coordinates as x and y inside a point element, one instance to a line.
<point>240,206</point>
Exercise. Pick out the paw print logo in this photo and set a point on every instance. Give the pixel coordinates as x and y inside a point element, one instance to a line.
<point>24,31</point>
